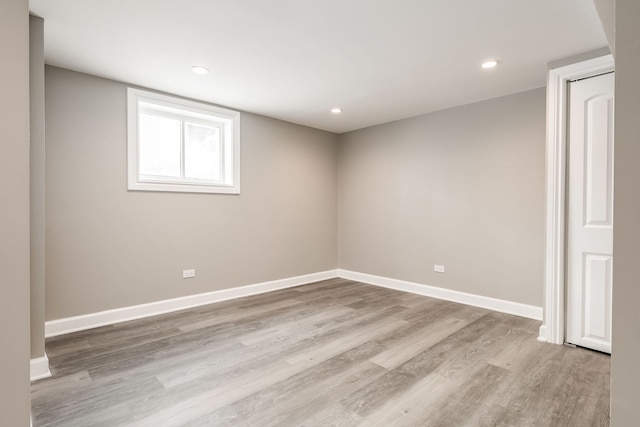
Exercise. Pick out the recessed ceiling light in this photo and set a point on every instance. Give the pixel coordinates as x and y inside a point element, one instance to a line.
<point>199,69</point>
<point>336,110</point>
<point>489,64</point>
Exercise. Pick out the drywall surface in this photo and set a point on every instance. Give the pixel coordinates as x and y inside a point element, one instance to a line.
<point>606,12</point>
<point>37,183</point>
<point>109,248</point>
<point>625,374</point>
<point>14,214</point>
<point>463,188</point>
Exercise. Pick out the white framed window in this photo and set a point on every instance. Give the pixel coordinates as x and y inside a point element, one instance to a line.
<point>179,145</point>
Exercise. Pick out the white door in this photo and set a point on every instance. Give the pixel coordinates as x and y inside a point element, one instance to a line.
<point>590,212</point>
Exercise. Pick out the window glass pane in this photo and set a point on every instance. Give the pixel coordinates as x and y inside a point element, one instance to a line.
<point>202,152</point>
<point>159,146</point>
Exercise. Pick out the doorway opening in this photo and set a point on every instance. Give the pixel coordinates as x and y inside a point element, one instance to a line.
<point>553,329</point>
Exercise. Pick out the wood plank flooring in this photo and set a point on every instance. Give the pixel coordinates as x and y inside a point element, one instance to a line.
<point>334,353</point>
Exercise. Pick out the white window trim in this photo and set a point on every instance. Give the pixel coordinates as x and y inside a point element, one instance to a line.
<point>134,181</point>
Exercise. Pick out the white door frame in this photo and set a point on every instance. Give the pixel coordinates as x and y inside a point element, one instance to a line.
<point>553,327</point>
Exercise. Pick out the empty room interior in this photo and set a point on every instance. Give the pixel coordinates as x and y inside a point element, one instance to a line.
<point>353,213</point>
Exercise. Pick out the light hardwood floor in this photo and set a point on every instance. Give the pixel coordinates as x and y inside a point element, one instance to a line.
<point>332,353</point>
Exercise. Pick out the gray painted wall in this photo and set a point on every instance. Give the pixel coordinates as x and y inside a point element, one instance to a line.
<point>14,214</point>
<point>625,390</point>
<point>462,187</point>
<point>108,247</point>
<point>37,183</point>
<point>606,12</point>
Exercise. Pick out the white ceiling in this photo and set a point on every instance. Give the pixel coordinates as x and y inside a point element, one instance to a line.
<point>379,60</point>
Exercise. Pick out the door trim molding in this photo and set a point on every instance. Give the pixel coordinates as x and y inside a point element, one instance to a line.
<point>553,327</point>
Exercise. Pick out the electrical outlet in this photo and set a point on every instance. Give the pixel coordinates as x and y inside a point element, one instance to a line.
<point>186,274</point>
<point>438,268</point>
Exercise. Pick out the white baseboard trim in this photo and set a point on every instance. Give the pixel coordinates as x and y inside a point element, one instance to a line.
<point>40,368</point>
<point>510,307</point>
<point>67,325</point>
<point>542,333</point>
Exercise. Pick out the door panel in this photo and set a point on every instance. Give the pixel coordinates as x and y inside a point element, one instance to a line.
<point>597,297</point>
<point>598,173</point>
<point>590,212</point>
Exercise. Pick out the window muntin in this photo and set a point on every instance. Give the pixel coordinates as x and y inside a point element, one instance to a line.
<point>181,145</point>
